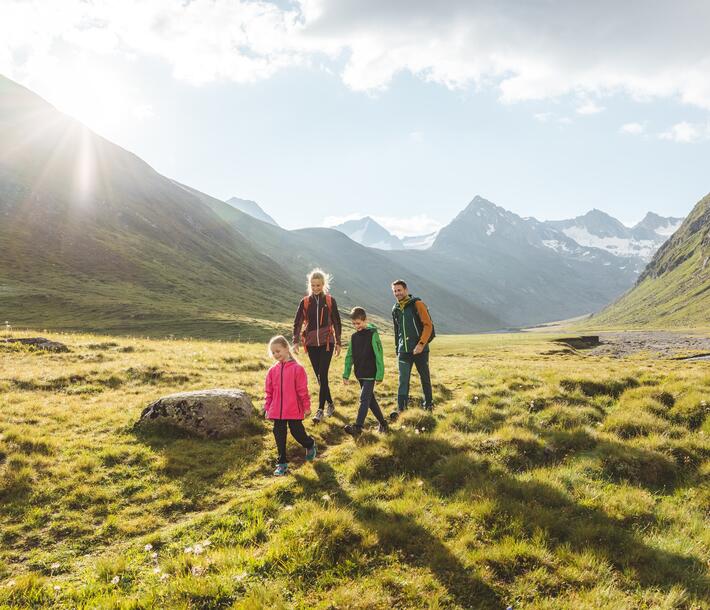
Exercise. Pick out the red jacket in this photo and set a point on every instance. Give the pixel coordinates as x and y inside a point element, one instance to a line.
<point>286,391</point>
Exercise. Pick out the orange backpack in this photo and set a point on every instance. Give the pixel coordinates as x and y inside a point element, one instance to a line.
<point>331,329</point>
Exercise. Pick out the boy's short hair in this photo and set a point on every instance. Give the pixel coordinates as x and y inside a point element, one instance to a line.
<point>401,283</point>
<point>358,313</point>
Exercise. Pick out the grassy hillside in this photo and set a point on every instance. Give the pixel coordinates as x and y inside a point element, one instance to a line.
<point>674,290</point>
<point>91,237</point>
<point>544,479</point>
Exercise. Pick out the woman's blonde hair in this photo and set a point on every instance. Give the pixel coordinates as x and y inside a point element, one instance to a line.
<point>319,274</point>
<point>283,342</point>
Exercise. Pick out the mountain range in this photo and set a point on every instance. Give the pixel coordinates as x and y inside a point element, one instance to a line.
<point>93,238</point>
<point>595,229</point>
<point>674,289</point>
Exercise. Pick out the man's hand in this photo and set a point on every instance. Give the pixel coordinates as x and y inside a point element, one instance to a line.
<point>337,350</point>
<point>418,349</point>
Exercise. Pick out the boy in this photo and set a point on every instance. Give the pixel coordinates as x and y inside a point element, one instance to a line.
<point>365,354</point>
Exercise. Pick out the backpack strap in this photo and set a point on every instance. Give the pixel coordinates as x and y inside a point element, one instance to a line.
<point>304,325</point>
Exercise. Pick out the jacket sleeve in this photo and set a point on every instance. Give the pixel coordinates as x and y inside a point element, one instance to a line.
<point>268,391</point>
<point>297,324</point>
<point>426,322</point>
<point>379,356</point>
<point>396,331</point>
<point>337,324</point>
<point>304,398</point>
<point>348,361</point>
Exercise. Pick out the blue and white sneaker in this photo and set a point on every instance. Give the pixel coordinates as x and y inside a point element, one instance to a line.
<point>281,470</point>
<point>311,453</point>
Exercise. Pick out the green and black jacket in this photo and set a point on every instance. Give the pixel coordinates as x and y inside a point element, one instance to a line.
<point>366,354</point>
<point>412,325</point>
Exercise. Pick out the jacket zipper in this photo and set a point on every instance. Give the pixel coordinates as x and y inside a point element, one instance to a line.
<point>404,328</point>
<point>317,324</point>
<point>281,412</point>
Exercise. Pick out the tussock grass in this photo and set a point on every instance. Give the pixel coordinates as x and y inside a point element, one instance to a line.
<point>539,481</point>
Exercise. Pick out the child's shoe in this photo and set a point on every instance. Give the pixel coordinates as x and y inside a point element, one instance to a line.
<point>311,453</point>
<point>329,409</point>
<point>281,470</point>
<point>394,416</point>
<point>353,430</point>
<point>318,416</point>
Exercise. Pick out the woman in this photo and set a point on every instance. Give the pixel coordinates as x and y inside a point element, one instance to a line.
<point>317,327</point>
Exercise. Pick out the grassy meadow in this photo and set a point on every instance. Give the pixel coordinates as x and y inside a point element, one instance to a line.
<point>545,478</point>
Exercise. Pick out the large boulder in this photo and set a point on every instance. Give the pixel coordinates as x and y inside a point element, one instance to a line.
<point>214,414</point>
<point>40,343</point>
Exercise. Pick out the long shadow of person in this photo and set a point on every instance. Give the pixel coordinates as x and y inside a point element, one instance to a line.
<point>533,506</point>
<point>413,543</point>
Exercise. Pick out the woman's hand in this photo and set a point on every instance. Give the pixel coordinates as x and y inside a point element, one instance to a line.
<point>337,350</point>
<point>295,348</point>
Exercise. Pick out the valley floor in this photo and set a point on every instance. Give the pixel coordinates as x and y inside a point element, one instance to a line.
<point>547,477</point>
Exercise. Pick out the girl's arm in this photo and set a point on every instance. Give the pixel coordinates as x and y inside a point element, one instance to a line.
<point>268,391</point>
<point>304,398</point>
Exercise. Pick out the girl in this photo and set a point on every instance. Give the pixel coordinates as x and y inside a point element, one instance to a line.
<point>317,327</point>
<point>287,401</point>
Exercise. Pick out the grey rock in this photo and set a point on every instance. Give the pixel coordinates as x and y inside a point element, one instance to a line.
<point>40,343</point>
<point>215,414</point>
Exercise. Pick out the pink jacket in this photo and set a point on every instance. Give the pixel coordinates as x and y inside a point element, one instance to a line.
<point>286,391</point>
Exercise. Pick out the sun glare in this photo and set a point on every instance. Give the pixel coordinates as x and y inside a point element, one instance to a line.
<point>96,98</point>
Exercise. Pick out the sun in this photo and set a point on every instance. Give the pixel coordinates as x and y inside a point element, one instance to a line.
<point>97,98</point>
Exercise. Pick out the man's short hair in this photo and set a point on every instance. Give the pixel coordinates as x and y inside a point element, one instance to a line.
<point>358,313</point>
<point>402,283</point>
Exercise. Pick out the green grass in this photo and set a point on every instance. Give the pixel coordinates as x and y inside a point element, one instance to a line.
<point>541,481</point>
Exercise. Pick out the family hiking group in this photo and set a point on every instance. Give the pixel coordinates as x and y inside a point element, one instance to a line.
<point>317,328</point>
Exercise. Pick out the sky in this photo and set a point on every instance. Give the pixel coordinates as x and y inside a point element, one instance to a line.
<point>324,110</point>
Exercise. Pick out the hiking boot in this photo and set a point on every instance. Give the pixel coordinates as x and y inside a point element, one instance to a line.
<point>353,430</point>
<point>311,453</point>
<point>318,416</point>
<point>329,409</point>
<point>394,416</point>
<point>429,408</point>
<point>383,428</point>
<point>281,470</point>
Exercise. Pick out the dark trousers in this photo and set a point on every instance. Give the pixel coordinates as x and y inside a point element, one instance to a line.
<point>281,426</point>
<point>368,402</point>
<point>421,361</point>
<point>320,360</point>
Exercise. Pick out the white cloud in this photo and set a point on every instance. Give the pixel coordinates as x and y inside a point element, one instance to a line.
<point>421,224</point>
<point>527,50</point>
<point>401,226</point>
<point>685,132</point>
<point>590,107</point>
<point>543,117</point>
<point>332,221</point>
<point>633,129</point>
<point>416,137</point>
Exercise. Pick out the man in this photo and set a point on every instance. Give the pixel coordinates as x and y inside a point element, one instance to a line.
<point>413,330</point>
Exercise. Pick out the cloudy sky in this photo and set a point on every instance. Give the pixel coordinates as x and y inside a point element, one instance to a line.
<point>403,110</point>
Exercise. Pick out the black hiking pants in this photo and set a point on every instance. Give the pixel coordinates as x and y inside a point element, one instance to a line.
<point>281,427</point>
<point>320,357</point>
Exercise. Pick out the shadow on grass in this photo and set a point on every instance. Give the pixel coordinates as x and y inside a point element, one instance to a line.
<point>199,465</point>
<point>413,543</point>
<point>532,506</point>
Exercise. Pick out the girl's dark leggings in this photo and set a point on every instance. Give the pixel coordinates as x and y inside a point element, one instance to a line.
<point>281,427</point>
<point>320,357</point>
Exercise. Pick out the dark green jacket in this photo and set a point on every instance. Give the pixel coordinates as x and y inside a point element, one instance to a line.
<point>412,325</point>
<point>366,354</point>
